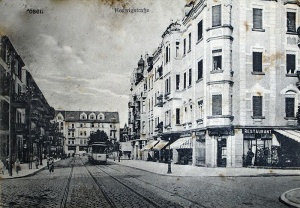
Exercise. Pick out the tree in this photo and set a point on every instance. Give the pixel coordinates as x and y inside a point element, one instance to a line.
<point>98,136</point>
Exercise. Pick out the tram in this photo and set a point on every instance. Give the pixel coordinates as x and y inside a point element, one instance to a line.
<point>98,153</point>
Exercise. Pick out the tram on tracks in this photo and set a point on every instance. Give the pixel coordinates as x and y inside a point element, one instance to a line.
<point>98,153</point>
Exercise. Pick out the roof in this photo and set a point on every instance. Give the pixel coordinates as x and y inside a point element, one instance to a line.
<point>109,117</point>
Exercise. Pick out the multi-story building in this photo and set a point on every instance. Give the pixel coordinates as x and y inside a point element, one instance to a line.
<point>24,112</point>
<point>227,84</point>
<point>77,126</point>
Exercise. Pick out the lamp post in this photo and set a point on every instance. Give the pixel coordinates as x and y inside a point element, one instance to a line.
<point>169,160</point>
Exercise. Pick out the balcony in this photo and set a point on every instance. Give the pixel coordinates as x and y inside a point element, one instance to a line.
<point>130,105</point>
<point>20,128</point>
<point>113,128</point>
<point>20,100</point>
<point>159,102</point>
<point>34,115</point>
<point>4,85</point>
<point>144,94</point>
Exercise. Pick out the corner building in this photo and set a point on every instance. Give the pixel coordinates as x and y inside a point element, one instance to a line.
<point>225,82</point>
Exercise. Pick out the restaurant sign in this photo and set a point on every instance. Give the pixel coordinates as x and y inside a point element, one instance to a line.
<point>253,133</point>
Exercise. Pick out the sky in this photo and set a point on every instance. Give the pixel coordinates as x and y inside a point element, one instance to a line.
<point>82,53</point>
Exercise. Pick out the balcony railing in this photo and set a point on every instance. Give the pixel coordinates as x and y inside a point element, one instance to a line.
<point>159,102</point>
<point>20,100</point>
<point>35,115</point>
<point>20,128</point>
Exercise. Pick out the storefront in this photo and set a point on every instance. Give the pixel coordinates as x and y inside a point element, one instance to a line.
<point>148,152</point>
<point>182,149</point>
<point>160,152</point>
<point>259,147</point>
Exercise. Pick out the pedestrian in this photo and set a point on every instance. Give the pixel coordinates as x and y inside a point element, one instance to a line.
<point>17,165</point>
<point>51,165</point>
<point>2,167</point>
<point>48,160</point>
<point>249,157</point>
<point>37,162</point>
<point>7,163</point>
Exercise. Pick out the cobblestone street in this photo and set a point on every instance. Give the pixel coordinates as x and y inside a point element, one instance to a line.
<point>75,183</point>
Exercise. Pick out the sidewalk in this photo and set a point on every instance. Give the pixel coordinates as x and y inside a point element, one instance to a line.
<point>291,197</point>
<point>188,170</point>
<point>25,171</point>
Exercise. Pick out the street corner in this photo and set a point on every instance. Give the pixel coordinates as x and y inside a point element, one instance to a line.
<point>291,197</point>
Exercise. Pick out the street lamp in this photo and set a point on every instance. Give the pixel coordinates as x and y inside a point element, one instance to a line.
<point>169,161</point>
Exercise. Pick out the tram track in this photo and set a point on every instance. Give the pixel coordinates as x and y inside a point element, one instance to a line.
<point>157,187</point>
<point>66,191</point>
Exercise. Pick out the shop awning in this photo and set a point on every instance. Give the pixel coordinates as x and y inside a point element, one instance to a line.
<point>182,143</point>
<point>160,145</point>
<point>150,145</point>
<point>293,134</point>
<point>275,141</point>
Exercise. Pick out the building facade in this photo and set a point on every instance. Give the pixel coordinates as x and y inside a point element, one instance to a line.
<point>224,82</point>
<point>24,113</point>
<point>77,126</point>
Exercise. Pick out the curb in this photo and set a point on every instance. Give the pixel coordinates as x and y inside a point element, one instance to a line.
<point>286,201</point>
<point>167,174</point>
<point>28,175</point>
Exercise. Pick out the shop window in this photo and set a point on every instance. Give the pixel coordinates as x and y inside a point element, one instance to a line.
<point>290,63</point>
<point>257,61</point>
<point>200,30</point>
<point>177,115</point>
<point>291,22</point>
<point>257,19</point>
<point>216,15</point>
<point>216,105</point>
<point>257,106</point>
<point>200,69</point>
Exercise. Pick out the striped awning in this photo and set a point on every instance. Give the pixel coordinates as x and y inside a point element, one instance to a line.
<point>159,146</point>
<point>150,145</point>
<point>293,134</point>
<point>182,143</point>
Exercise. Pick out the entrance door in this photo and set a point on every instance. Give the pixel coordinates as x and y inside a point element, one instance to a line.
<point>221,153</point>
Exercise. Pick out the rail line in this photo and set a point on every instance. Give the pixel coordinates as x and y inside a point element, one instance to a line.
<point>66,191</point>
<point>194,202</point>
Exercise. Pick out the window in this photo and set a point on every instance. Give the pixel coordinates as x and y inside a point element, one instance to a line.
<point>257,18</point>
<point>217,60</point>
<point>200,69</point>
<point>167,54</point>
<point>177,81</point>
<point>290,106</point>
<point>81,125</point>
<point>84,133</point>
<point>216,105</point>
<point>177,115</point>
<point>19,89</point>
<point>257,106</point>
<point>291,22</point>
<point>216,15</point>
<point>200,106</point>
<point>177,49</point>
<point>81,133</point>
<point>190,41</point>
<point>184,80</point>
<point>290,63</point>
<point>92,125</point>
<point>200,30</point>
<point>257,61</point>
<point>184,46</point>
<point>190,77</point>
<point>73,126</point>
<point>168,85</point>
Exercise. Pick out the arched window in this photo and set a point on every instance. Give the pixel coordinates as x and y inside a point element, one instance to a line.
<point>290,106</point>
<point>92,116</point>
<point>101,116</point>
<point>83,116</point>
<point>60,117</point>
